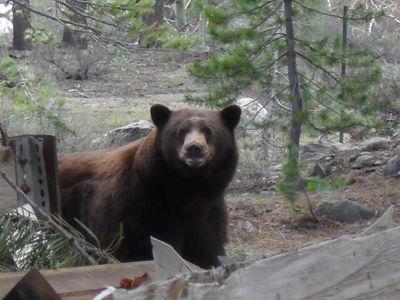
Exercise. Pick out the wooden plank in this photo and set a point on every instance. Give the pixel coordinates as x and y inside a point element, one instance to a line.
<point>366,267</point>
<point>356,268</point>
<point>82,282</point>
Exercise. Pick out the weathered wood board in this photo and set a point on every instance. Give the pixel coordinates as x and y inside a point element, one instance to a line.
<point>346,268</point>
<point>8,197</point>
<point>357,268</point>
<point>82,282</point>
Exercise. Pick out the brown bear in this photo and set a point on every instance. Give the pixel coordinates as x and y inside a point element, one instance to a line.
<point>169,184</point>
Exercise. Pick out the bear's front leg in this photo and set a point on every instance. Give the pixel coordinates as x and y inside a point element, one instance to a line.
<point>205,238</point>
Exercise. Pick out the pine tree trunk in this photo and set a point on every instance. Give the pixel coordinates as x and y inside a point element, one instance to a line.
<point>343,65</point>
<point>157,16</point>
<point>203,23</point>
<point>180,14</point>
<point>154,20</point>
<point>294,85</point>
<point>74,37</point>
<point>21,19</point>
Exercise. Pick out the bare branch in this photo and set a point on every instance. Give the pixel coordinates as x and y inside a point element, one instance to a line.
<point>83,15</point>
<point>327,95</point>
<point>82,26</point>
<point>332,15</point>
<point>330,74</point>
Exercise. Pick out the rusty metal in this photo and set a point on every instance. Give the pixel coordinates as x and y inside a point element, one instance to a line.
<point>36,170</point>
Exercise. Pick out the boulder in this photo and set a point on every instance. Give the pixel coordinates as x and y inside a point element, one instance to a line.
<point>316,151</point>
<point>124,135</point>
<point>320,170</point>
<point>392,167</point>
<point>396,139</point>
<point>376,143</point>
<point>253,109</point>
<point>344,211</point>
<point>365,160</point>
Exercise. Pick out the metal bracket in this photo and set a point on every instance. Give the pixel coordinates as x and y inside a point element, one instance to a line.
<point>36,170</point>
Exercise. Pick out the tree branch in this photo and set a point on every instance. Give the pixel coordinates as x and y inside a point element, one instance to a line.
<point>332,15</point>
<point>83,15</point>
<point>317,66</point>
<point>64,22</point>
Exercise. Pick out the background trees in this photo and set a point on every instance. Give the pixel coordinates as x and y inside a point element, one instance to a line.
<point>293,70</point>
<point>292,57</point>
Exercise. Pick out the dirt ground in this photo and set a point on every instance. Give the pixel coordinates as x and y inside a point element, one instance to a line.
<point>261,221</point>
<point>265,223</point>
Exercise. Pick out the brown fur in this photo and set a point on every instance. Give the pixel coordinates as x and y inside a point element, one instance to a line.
<point>169,184</point>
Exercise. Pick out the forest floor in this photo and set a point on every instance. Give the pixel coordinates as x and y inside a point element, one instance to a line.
<point>261,220</point>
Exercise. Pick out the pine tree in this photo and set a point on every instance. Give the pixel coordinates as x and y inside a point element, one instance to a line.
<point>280,47</point>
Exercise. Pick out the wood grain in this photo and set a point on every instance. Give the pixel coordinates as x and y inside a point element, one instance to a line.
<point>82,282</point>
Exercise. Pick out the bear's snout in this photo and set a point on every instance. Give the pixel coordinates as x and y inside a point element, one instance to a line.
<point>194,156</point>
<point>195,151</point>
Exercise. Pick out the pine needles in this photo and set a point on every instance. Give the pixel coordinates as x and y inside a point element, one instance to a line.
<point>26,243</point>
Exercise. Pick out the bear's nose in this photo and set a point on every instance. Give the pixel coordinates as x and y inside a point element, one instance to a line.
<point>194,150</point>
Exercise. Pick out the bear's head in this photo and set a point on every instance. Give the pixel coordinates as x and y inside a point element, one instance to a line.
<point>196,139</point>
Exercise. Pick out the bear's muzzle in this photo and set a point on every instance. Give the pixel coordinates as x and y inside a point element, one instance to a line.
<point>195,151</point>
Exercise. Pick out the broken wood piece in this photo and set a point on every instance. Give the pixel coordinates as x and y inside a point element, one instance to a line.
<point>168,262</point>
<point>132,283</point>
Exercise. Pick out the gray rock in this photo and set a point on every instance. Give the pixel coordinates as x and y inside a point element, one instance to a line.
<point>319,170</point>
<point>339,147</point>
<point>247,226</point>
<point>344,211</point>
<point>396,139</point>
<point>124,135</point>
<point>363,161</point>
<point>253,109</point>
<point>376,143</point>
<point>396,136</point>
<point>392,167</point>
<point>314,151</point>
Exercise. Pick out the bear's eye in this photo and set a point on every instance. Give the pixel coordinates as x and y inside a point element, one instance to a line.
<point>183,131</point>
<point>207,132</point>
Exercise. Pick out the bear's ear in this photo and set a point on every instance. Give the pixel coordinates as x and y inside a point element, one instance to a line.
<point>160,114</point>
<point>231,115</point>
